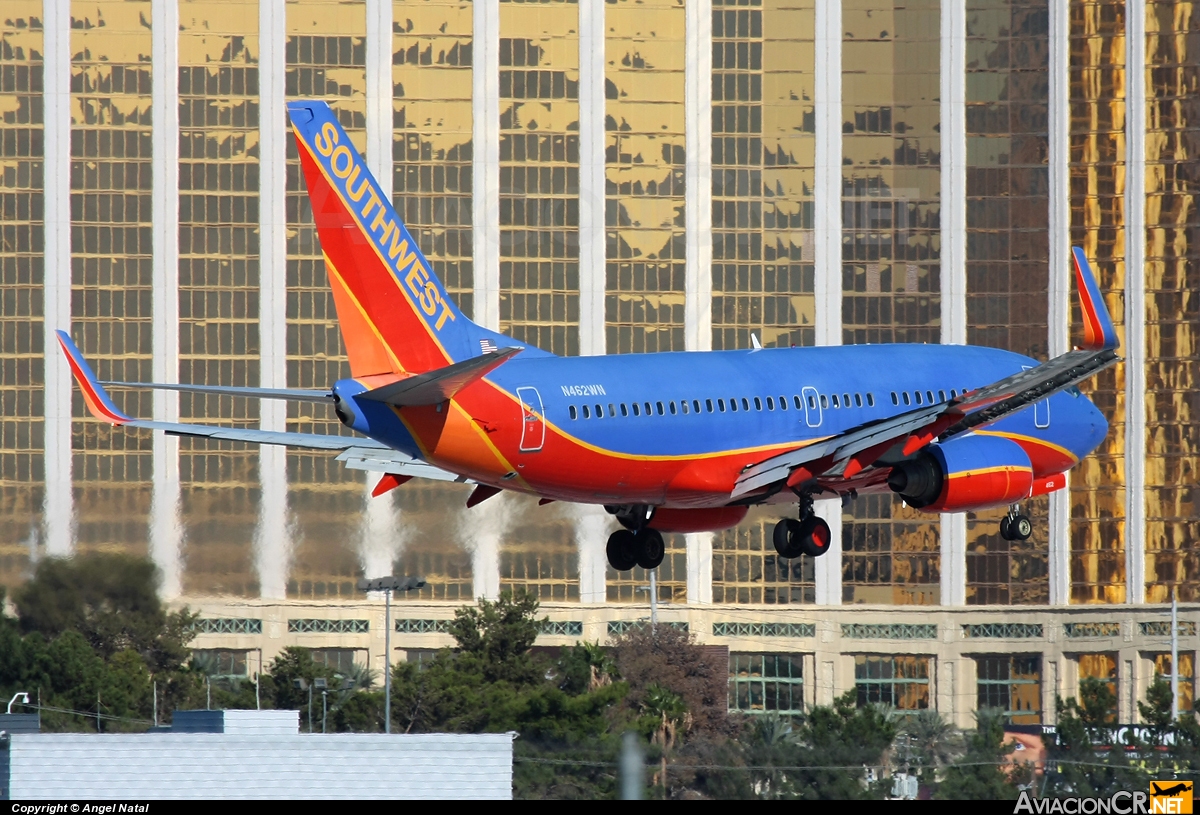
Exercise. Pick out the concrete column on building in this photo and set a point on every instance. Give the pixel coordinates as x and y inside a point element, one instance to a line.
<point>273,538</point>
<point>697,311</point>
<point>966,693</point>
<point>1058,307</point>
<point>592,528</point>
<point>946,685</point>
<point>482,530</point>
<point>379,92</point>
<point>809,663</point>
<point>827,247</point>
<point>1051,688</point>
<point>592,251</point>
<point>699,567</point>
<point>827,680</point>
<point>166,528</point>
<point>485,167</point>
<point>381,537</point>
<point>1127,686</point>
<point>954,254</point>
<point>1135,301</point>
<point>58,510</point>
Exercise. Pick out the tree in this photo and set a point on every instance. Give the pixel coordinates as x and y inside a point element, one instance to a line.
<point>1089,762</point>
<point>835,738</point>
<point>981,773</point>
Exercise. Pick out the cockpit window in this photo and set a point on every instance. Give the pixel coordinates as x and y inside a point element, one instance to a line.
<point>1074,391</point>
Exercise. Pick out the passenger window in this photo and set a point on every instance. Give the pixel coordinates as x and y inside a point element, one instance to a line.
<point>941,396</point>
<point>635,408</point>
<point>612,410</point>
<point>695,405</point>
<point>783,403</point>
<point>953,394</point>
<point>797,403</point>
<point>624,410</point>
<point>733,405</point>
<point>870,400</point>
<point>812,403</point>
<point>721,405</point>
<point>824,402</point>
<point>574,413</point>
<point>929,396</point>
<point>770,403</point>
<point>917,394</point>
<point>895,401</point>
<point>846,399</point>
<point>599,411</point>
<point>683,404</point>
<point>586,413</point>
<point>835,401</point>
<point>708,404</point>
<point>858,400</point>
<point>646,406</point>
<point>757,403</point>
<point>905,395</point>
<point>660,408</point>
<point>745,403</point>
<point>671,405</point>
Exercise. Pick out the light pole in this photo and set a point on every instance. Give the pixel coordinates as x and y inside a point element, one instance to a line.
<point>387,585</point>
<point>302,684</point>
<point>320,684</point>
<point>24,697</point>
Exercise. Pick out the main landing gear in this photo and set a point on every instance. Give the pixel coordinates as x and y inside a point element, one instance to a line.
<point>637,544</point>
<point>1014,526</point>
<point>806,535</point>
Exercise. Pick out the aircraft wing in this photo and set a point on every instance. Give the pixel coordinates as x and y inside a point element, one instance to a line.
<point>360,453</point>
<point>293,394</point>
<point>889,440</point>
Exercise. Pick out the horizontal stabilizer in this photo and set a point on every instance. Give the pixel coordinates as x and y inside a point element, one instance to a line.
<point>437,386</point>
<point>292,394</point>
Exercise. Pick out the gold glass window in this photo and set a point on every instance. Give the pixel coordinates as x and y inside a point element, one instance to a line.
<point>111,275</point>
<point>539,554</point>
<point>766,683</point>
<point>747,569</point>
<point>1187,677</point>
<point>633,586</point>
<point>1097,168</point>
<point>432,150</point>
<point>644,159</point>
<point>1012,684</point>
<point>1102,667</point>
<point>1008,272</point>
<point>1172,311</point>
<point>539,174</point>
<point>891,182</point>
<point>431,190</point>
<point>762,176</point>
<point>900,681</point>
<point>326,58</point>
<point>218,285</point>
<point>22,476</point>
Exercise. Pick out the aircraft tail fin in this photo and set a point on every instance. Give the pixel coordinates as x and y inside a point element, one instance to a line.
<point>396,317</point>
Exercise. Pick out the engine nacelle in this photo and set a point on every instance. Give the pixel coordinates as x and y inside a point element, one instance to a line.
<point>696,520</point>
<point>964,474</point>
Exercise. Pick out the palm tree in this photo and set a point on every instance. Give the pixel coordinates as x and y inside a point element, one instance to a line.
<point>931,737</point>
<point>668,708</point>
<point>601,666</point>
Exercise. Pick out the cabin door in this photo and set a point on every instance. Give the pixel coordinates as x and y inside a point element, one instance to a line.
<point>533,426</point>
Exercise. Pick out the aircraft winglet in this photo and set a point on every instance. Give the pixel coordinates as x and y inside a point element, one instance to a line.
<point>1098,331</point>
<point>96,398</point>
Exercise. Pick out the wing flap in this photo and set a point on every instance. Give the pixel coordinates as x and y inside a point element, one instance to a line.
<point>292,394</point>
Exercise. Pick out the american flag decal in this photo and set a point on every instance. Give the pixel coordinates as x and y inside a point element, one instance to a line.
<point>487,346</point>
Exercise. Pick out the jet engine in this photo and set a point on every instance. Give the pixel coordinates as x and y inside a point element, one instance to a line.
<point>964,474</point>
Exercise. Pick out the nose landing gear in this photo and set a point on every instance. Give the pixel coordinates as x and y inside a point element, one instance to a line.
<point>1014,526</point>
<point>807,535</point>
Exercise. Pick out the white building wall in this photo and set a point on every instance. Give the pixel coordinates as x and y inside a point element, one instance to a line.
<point>210,766</point>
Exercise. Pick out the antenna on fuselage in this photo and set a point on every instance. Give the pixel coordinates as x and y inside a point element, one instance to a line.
<point>757,346</point>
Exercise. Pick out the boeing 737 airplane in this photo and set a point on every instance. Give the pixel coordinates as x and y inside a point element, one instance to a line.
<point>666,442</point>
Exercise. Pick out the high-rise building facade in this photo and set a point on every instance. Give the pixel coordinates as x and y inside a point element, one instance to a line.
<point>612,177</point>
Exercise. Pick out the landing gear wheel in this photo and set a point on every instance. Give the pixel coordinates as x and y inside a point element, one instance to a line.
<point>1020,528</point>
<point>650,548</point>
<point>787,538</point>
<point>622,550</point>
<point>818,539</point>
<point>1004,530</point>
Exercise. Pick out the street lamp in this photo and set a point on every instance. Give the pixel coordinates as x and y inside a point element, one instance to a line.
<point>24,697</point>
<point>387,585</point>
<point>320,684</point>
